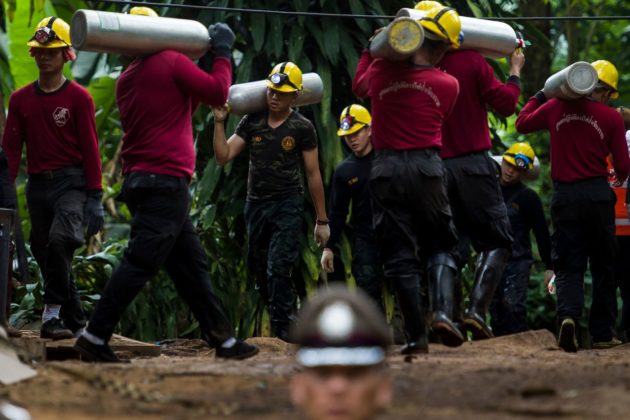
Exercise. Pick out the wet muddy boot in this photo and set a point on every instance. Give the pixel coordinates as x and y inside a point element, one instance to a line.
<point>408,295</point>
<point>442,271</point>
<point>488,274</point>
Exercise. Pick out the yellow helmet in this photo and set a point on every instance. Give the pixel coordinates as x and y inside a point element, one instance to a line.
<point>285,77</point>
<point>51,32</point>
<point>607,74</point>
<point>143,11</point>
<point>427,5</point>
<point>352,119</point>
<point>444,23</point>
<point>520,155</point>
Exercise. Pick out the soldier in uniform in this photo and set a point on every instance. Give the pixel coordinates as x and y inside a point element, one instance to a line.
<point>279,140</point>
<point>343,339</point>
<point>350,184</point>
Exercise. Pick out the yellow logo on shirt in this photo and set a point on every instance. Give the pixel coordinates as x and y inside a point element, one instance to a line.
<point>288,143</point>
<point>256,139</point>
<point>353,181</point>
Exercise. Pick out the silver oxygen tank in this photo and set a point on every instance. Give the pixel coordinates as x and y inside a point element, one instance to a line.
<point>575,81</point>
<point>492,39</point>
<point>398,40</point>
<point>136,35</point>
<point>251,97</point>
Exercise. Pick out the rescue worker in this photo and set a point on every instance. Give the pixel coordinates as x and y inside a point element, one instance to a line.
<point>55,118</point>
<point>478,210</point>
<point>622,232</point>
<point>350,184</point>
<point>279,140</point>
<point>508,309</point>
<point>342,339</point>
<point>583,132</point>
<point>412,218</point>
<point>155,95</point>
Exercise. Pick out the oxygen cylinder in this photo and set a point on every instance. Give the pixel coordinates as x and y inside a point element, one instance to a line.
<point>136,35</point>
<point>492,39</point>
<point>399,40</point>
<point>530,174</point>
<point>251,97</point>
<point>575,81</point>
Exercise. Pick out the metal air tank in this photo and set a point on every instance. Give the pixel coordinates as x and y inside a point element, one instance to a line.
<point>575,81</point>
<point>136,35</point>
<point>492,39</point>
<point>251,97</point>
<point>398,40</point>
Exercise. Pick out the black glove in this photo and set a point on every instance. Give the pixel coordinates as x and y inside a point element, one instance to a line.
<point>540,95</point>
<point>222,39</point>
<point>93,213</point>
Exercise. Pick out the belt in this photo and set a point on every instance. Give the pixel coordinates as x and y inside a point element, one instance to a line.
<point>55,174</point>
<point>431,151</point>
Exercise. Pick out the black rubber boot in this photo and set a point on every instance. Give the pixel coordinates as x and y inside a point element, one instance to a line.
<point>442,272</point>
<point>490,266</point>
<point>408,294</point>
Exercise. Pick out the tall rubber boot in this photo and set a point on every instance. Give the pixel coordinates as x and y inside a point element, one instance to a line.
<point>442,272</point>
<point>410,302</point>
<point>490,266</point>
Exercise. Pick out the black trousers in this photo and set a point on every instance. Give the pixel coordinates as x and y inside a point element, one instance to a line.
<point>55,203</point>
<point>584,220</point>
<point>509,305</point>
<point>412,217</point>
<point>476,200</point>
<point>273,229</point>
<point>162,235</point>
<point>366,268</point>
<point>622,281</point>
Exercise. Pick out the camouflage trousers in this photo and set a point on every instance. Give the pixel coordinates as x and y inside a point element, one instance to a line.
<point>273,228</point>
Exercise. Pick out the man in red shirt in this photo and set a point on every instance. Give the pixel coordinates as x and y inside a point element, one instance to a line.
<point>55,118</point>
<point>479,211</point>
<point>583,132</point>
<point>155,95</point>
<point>412,218</point>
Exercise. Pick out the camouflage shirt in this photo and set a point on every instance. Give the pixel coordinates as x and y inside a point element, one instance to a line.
<point>275,154</point>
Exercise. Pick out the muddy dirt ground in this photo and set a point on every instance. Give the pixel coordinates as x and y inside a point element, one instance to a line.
<point>520,376</point>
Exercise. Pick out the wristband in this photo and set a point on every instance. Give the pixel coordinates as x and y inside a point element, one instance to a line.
<point>321,222</point>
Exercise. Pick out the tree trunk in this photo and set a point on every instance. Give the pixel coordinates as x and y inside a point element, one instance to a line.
<point>538,55</point>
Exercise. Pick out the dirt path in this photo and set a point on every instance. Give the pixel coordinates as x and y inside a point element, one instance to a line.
<point>520,376</point>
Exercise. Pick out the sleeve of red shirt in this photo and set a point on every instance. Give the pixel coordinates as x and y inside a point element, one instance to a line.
<point>619,148</point>
<point>12,140</point>
<point>86,127</point>
<point>502,97</point>
<point>360,83</point>
<point>532,117</point>
<point>209,88</point>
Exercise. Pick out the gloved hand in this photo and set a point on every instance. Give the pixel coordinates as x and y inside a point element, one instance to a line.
<point>93,213</point>
<point>548,275</point>
<point>327,260</point>
<point>222,39</point>
<point>322,233</point>
<point>540,95</point>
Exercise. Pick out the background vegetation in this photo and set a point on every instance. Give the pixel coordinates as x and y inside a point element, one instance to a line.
<point>328,46</point>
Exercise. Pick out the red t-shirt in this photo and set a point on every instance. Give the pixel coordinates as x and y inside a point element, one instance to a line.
<point>582,134</point>
<point>58,128</point>
<point>466,130</point>
<point>155,96</point>
<point>409,102</point>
